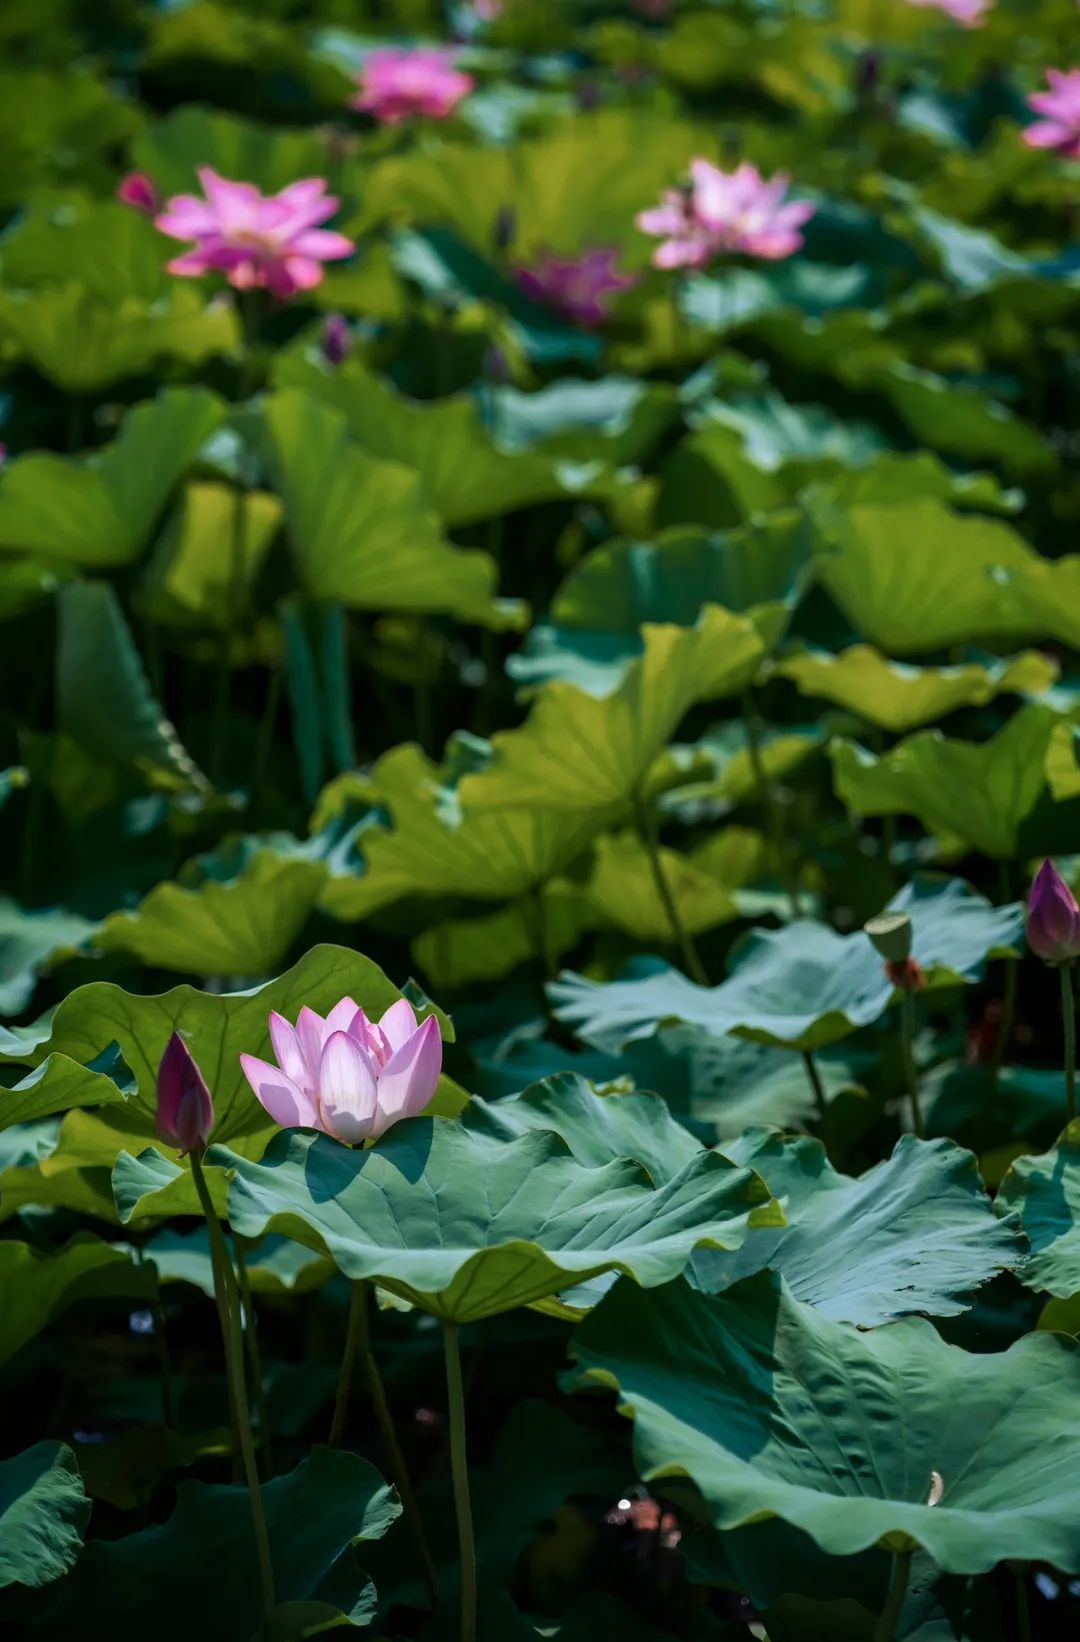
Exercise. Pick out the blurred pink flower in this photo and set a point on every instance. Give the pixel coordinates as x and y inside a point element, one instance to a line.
<point>185,1111</point>
<point>138,191</point>
<point>723,211</point>
<point>255,239</point>
<point>968,12</point>
<point>395,85</point>
<point>346,1075</point>
<point>336,342</point>
<point>1060,129</point>
<point>581,288</point>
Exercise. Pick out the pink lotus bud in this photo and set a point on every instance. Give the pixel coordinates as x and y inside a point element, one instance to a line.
<point>138,191</point>
<point>185,1111</point>
<point>1053,917</point>
<point>336,343</point>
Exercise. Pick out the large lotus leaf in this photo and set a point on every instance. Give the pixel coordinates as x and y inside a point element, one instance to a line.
<point>59,1084</point>
<point>979,793</point>
<point>465,476</point>
<point>1045,1192</point>
<point>708,885</point>
<point>56,124</point>
<point>963,421</point>
<point>274,1266</point>
<point>1062,764</point>
<point>172,149</point>
<point>67,1165</point>
<point>43,1512</point>
<point>315,1516</point>
<point>801,987</point>
<point>896,478</point>
<point>579,753</point>
<point>100,510</point>
<point>117,251</point>
<point>915,577</point>
<point>31,942</point>
<point>189,581</point>
<point>362,529</point>
<point>775,1410</point>
<point>721,768</point>
<point>216,1028</point>
<point>118,719</point>
<point>465,1226</point>
<point>597,1128</point>
<point>459,952</point>
<point>37,1287</point>
<point>916,1233</point>
<point>622,417</point>
<point>899,697</point>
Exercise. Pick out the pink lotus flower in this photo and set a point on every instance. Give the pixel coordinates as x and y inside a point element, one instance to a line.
<point>1060,129</point>
<point>346,1075</point>
<point>138,191</point>
<point>1053,917</point>
<point>185,1111</point>
<point>255,239</point>
<point>395,85</point>
<point>581,288</point>
<point>968,12</point>
<point>725,211</point>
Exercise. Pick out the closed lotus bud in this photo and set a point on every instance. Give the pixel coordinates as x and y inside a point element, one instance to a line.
<point>1053,917</point>
<point>138,191</point>
<point>336,339</point>
<point>891,935</point>
<point>185,1111</point>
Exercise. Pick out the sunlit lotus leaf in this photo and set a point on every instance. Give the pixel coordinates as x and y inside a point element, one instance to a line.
<point>720,767</point>
<point>43,1514</point>
<point>31,942</point>
<point>1045,1191</point>
<point>706,884</point>
<point>172,149</point>
<point>1062,764</point>
<point>37,1287</point>
<point>459,952</point>
<point>59,1084</point>
<point>189,581</point>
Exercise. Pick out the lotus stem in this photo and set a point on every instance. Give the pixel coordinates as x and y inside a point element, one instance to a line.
<point>767,794</point>
<point>680,934</point>
<point>894,1601</point>
<point>251,1340</point>
<point>459,1467</point>
<point>907,1050</point>
<point>1023,1617</point>
<point>228,1302</point>
<point>1068,1015</point>
<point>820,1099</point>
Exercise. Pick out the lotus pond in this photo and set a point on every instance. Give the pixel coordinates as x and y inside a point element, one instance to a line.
<point>540,820</point>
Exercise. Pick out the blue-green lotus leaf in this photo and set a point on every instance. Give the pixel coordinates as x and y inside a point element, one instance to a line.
<point>43,1513</point>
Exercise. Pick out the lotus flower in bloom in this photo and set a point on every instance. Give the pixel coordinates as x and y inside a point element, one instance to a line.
<point>138,191</point>
<point>185,1111</point>
<point>346,1075</point>
<point>723,211</point>
<point>968,12</point>
<point>1060,129</point>
<point>1053,917</point>
<point>255,239</point>
<point>395,85</point>
<point>581,288</point>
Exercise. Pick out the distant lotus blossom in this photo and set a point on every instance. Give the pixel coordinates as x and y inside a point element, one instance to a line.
<point>723,211</point>
<point>336,343</point>
<point>581,288</point>
<point>968,12</point>
<point>138,191</point>
<point>255,239</point>
<point>347,1075</point>
<point>396,85</point>
<point>1060,129</point>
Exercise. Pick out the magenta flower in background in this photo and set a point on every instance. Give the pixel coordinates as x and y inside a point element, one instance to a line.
<point>255,239</point>
<point>336,342</point>
<point>581,288</point>
<point>396,85</point>
<point>1060,129</point>
<point>347,1075</point>
<point>185,1111</point>
<point>1053,917</point>
<point>722,211</point>
<point>968,12</point>
<point>138,191</point>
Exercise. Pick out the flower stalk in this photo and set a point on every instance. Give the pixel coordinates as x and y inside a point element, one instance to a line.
<point>459,1466</point>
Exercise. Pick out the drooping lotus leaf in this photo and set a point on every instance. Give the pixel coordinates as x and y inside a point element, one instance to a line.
<point>43,1512</point>
<point>189,581</point>
<point>899,697</point>
<point>1045,1191</point>
<point>775,1410</point>
<point>31,942</point>
<point>99,510</point>
<point>963,421</point>
<point>800,987</point>
<point>315,1516</point>
<point>978,792</point>
<point>361,528</point>
<point>274,1266</point>
<point>914,1234</point>
<point>59,1084</point>
<point>38,1286</point>
<point>466,1226</point>
<point>580,753</point>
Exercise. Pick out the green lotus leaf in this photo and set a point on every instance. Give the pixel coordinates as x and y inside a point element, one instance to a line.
<point>274,1266</point>
<point>915,1233</point>
<point>963,421</point>
<point>774,1410</point>
<point>37,1286</point>
<point>99,511</point>
<point>578,753</point>
<point>708,885</point>
<point>572,418</point>
<point>979,793</point>
<point>898,697</point>
<point>1062,765</point>
<point>153,1186</point>
<point>466,1226</point>
<point>58,124</point>
<point>801,987</point>
<point>362,529</point>
<point>459,952</point>
<point>59,1084</point>
<point>896,478</point>
<point>126,1471</point>
<point>189,582</point>
<point>118,251</point>
<point>315,1517</point>
<point>31,942</point>
<point>43,1513</point>
<point>1045,1192</point>
<point>172,149</point>
<point>720,766</point>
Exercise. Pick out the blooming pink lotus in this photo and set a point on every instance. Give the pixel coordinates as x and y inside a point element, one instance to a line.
<point>138,191</point>
<point>968,12</point>
<point>1060,129</point>
<point>581,288</point>
<point>255,239</point>
<point>185,1111</point>
<point>723,211</point>
<point>395,85</point>
<point>346,1075</point>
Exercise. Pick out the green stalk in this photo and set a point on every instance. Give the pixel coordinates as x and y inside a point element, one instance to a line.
<point>1068,1012</point>
<point>228,1301</point>
<point>766,793</point>
<point>820,1100</point>
<point>251,1340</point>
<point>347,1373</point>
<point>907,1050</point>
<point>681,936</point>
<point>894,1602</point>
<point>1023,1617</point>
<point>459,1467</point>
